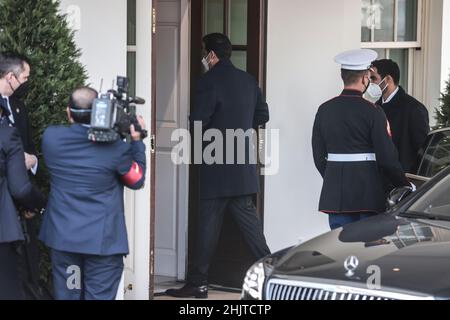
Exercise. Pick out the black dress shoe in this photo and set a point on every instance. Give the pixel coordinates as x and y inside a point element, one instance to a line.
<point>189,291</point>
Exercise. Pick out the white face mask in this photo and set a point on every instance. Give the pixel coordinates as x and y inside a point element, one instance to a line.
<point>374,92</point>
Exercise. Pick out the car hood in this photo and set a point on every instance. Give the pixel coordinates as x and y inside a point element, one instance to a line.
<point>408,254</point>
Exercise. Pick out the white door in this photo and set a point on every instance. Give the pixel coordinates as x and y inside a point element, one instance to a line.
<point>172,90</point>
<point>136,280</point>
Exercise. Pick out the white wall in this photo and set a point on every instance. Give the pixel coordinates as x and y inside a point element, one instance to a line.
<point>429,60</point>
<point>303,38</point>
<point>102,37</point>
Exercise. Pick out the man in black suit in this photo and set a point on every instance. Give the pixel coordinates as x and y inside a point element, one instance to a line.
<point>408,118</point>
<point>17,112</point>
<point>17,116</point>
<point>227,100</point>
<point>14,183</point>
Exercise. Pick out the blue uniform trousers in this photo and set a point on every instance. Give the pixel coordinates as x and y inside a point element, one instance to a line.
<point>339,220</point>
<point>85,277</point>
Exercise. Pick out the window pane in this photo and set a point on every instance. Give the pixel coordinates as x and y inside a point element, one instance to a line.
<point>213,19</point>
<point>383,19</point>
<point>239,59</point>
<point>131,22</point>
<point>367,20</point>
<point>401,56</point>
<point>238,22</point>
<point>131,72</point>
<point>381,53</point>
<point>437,155</point>
<point>407,20</point>
<point>436,200</point>
<point>377,15</point>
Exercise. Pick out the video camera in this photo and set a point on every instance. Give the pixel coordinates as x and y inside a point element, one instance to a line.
<point>113,113</point>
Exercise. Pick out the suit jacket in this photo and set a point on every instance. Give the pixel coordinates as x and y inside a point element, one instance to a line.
<point>349,124</point>
<point>14,185</point>
<point>410,126</point>
<point>85,212</point>
<point>23,125</point>
<point>228,98</point>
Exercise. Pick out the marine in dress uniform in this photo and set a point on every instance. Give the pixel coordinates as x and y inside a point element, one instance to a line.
<point>351,143</point>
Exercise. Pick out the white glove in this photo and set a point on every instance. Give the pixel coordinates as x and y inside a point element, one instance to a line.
<point>413,186</point>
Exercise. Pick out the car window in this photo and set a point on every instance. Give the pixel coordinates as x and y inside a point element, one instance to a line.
<point>435,201</point>
<point>437,156</point>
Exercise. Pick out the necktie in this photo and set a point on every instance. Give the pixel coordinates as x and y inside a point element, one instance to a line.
<point>5,111</point>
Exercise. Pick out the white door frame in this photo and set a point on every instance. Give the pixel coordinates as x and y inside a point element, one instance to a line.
<point>185,53</point>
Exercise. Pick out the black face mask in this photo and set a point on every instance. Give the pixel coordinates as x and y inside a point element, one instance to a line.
<point>22,90</point>
<point>366,87</point>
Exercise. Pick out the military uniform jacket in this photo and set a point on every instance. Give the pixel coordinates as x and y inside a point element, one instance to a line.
<point>348,124</point>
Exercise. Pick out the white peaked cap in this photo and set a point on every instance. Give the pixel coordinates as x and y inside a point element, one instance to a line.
<point>357,60</point>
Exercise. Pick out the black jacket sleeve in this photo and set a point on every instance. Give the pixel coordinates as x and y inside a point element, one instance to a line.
<point>385,150</point>
<point>419,127</point>
<point>23,124</point>
<point>205,103</point>
<point>319,147</point>
<point>19,185</point>
<point>261,112</point>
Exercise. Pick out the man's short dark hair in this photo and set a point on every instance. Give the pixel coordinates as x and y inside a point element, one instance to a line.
<point>81,99</point>
<point>388,67</point>
<point>12,62</point>
<point>220,44</point>
<point>351,77</point>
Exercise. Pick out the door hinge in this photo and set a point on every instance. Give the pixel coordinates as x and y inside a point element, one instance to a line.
<point>152,144</point>
<point>154,20</point>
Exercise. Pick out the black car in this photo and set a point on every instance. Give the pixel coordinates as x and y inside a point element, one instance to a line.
<point>403,254</point>
<point>433,158</point>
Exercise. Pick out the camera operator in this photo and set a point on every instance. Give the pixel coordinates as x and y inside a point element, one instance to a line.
<point>84,224</point>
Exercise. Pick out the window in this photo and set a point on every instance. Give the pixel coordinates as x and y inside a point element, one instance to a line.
<point>436,201</point>
<point>131,46</point>
<point>392,28</point>
<point>229,17</point>
<point>437,155</point>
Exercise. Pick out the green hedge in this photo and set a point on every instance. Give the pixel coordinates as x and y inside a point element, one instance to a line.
<point>443,112</point>
<point>37,30</point>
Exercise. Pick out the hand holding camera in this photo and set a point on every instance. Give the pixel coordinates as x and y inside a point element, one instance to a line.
<point>137,135</point>
<point>114,115</point>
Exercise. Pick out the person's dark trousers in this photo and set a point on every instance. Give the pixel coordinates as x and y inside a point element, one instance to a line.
<point>10,286</point>
<point>339,220</point>
<point>29,260</point>
<point>211,213</point>
<point>85,277</point>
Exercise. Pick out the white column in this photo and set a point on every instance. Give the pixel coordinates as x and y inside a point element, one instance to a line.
<point>428,60</point>
<point>445,75</point>
<point>142,197</point>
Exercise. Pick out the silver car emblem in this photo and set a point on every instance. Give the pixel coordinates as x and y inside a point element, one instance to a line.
<point>351,264</point>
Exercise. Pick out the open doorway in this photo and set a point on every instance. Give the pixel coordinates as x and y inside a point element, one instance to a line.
<point>172,106</point>
<point>180,26</point>
<point>244,22</point>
